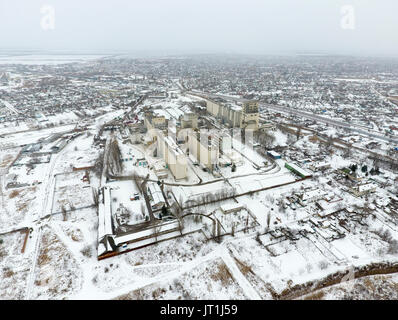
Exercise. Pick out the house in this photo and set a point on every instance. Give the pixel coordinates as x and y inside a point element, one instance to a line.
<point>327,208</point>
<point>312,195</point>
<point>362,189</point>
<point>231,207</point>
<point>84,167</point>
<point>320,166</point>
<point>59,145</point>
<point>273,154</point>
<point>141,162</point>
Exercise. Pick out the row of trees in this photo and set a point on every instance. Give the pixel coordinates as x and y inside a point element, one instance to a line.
<point>114,161</point>
<point>266,139</point>
<point>385,163</point>
<point>209,197</point>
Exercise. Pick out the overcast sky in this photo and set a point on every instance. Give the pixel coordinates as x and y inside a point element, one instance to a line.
<point>203,26</point>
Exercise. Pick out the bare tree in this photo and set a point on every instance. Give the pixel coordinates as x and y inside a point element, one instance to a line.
<point>298,133</point>
<point>137,180</point>
<point>290,139</point>
<point>98,165</point>
<point>268,220</point>
<point>64,213</point>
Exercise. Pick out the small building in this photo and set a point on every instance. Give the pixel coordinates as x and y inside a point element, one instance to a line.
<point>327,208</point>
<point>297,170</point>
<point>235,158</point>
<point>312,195</point>
<point>273,154</point>
<point>160,169</point>
<point>231,207</point>
<point>34,147</point>
<point>362,189</point>
<point>156,196</point>
<point>142,162</point>
<point>319,166</point>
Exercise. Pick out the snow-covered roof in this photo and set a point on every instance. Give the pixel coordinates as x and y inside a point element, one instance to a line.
<point>298,169</point>
<point>312,194</point>
<point>156,193</point>
<point>366,187</point>
<point>105,215</point>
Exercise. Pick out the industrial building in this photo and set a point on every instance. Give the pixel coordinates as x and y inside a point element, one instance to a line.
<point>273,154</point>
<point>154,122</point>
<point>243,116</point>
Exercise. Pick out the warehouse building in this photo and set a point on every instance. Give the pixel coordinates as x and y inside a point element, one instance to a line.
<point>297,170</point>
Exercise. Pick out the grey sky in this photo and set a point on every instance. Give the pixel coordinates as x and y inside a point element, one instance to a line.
<point>203,26</point>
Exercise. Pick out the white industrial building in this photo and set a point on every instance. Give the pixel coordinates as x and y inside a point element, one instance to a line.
<point>204,148</point>
<point>156,196</point>
<point>243,116</point>
<point>175,159</point>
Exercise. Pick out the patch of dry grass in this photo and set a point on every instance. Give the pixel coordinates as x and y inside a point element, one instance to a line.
<point>13,194</point>
<point>57,272</point>
<point>243,267</point>
<point>222,274</point>
<point>8,273</point>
